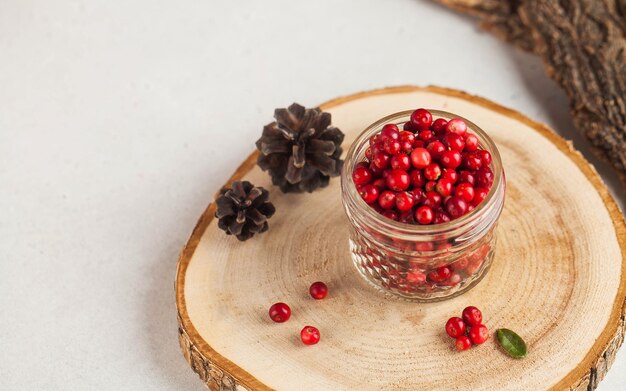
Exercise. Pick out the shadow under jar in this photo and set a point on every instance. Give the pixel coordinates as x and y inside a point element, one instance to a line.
<point>409,260</point>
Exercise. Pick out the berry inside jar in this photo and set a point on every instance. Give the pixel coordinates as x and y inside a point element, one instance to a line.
<point>427,172</point>
<point>430,175</point>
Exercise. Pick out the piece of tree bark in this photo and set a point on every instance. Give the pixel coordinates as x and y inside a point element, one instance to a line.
<point>583,45</point>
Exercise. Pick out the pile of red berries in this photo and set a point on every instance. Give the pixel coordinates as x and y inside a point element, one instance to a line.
<point>280,313</point>
<point>469,330</point>
<point>431,172</point>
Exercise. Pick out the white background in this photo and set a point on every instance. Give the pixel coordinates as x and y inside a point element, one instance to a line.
<point>119,121</point>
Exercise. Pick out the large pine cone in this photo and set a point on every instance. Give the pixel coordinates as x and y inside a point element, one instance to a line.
<point>299,150</point>
<point>243,210</point>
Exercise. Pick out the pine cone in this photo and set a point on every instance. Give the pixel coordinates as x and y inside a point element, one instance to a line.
<point>243,210</point>
<point>300,150</point>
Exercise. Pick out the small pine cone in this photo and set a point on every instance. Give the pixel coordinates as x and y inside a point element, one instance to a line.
<point>243,210</point>
<point>299,150</point>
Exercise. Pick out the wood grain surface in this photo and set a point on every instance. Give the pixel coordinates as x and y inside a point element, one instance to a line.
<point>558,278</point>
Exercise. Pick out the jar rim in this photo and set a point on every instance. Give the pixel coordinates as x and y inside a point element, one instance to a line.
<point>349,187</point>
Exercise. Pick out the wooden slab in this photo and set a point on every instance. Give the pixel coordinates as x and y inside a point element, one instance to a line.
<point>558,278</point>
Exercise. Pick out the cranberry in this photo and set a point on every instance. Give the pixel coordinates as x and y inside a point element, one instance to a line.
<point>369,193</point>
<point>392,146</point>
<point>450,174</point>
<point>444,187</point>
<point>310,335</point>
<point>416,277</point>
<point>381,160</point>
<point>480,193</point>
<point>456,125</point>
<point>422,119</point>
<point>361,176</point>
<point>418,144</point>
<point>463,343</point>
<point>456,207</point>
<point>417,194</point>
<point>426,135</point>
<point>407,136</point>
<point>280,312</point>
<point>318,290</point>
<point>375,140</point>
<point>424,215</point>
<point>417,178</point>
<point>432,172</point>
<point>472,316</point>
<point>435,148</point>
<point>409,127</point>
<point>451,159</point>
<point>391,214</point>
<point>377,172</point>
<point>387,199</point>
<point>400,161</point>
<point>454,142</point>
<point>398,180</point>
<point>441,217</point>
<point>406,217</point>
<point>472,161</point>
<point>465,191</point>
<point>440,274</point>
<point>430,186</point>
<point>431,199</point>
<point>479,334</point>
<point>390,131</point>
<point>466,177</point>
<point>380,183</point>
<point>368,153</point>
<point>471,142</point>
<point>439,126</point>
<point>404,201</point>
<point>485,156</point>
<point>420,158</point>
<point>455,327</point>
<point>484,177</point>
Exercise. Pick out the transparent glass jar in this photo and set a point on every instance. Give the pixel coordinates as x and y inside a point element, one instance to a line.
<point>398,257</point>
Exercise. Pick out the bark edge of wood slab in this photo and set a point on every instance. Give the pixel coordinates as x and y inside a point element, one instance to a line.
<point>219,372</point>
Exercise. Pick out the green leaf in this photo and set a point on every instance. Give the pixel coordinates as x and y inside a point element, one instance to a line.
<point>511,343</point>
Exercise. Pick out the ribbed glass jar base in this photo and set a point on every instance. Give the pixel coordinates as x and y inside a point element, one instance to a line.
<point>412,276</point>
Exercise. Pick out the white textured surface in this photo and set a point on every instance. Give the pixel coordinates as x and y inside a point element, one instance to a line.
<point>119,121</point>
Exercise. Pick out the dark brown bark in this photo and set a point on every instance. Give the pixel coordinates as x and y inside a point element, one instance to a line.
<point>583,45</point>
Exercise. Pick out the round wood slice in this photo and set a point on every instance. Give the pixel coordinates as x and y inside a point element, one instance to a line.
<point>558,278</point>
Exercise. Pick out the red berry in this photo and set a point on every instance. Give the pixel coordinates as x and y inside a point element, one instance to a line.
<point>280,312</point>
<point>456,125</point>
<point>484,177</point>
<point>479,334</point>
<point>418,144</point>
<point>404,201</point>
<point>406,217</point>
<point>380,183</point>
<point>387,199</point>
<point>407,136</point>
<point>418,195</point>
<point>480,193</point>
<point>444,187</point>
<point>409,127</point>
<point>420,158</point>
<point>377,172</point>
<point>465,191</point>
<point>454,142</point>
<point>422,119</point>
<point>440,274</point>
<point>310,335</point>
<point>463,343</point>
<point>392,146</point>
<point>435,148</point>
<point>485,156</point>
<point>391,214</point>
<point>455,327</point>
<point>369,193</point>
<point>390,131</point>
<point>426,135</point>
<point>430,186</point>
<point>439,126</point>
<point>417,178</point>
<point>466,177</point>
<point>472,316</point>
<point>441,217</point>
<point>400,161</point>
<point>451,159</point>
<point>398,180</point>
<point>368,153</point>
<point>432,172</point>
<point>361,176</point>
<point>424,215</point>
<point>472,161</point>
<point>318,290</point>
<point>415,277</point>
<point>381,160</point>
<point>450,174</point>
<point>471,142</point>
<point>431,199</point>
<point>456,207</point>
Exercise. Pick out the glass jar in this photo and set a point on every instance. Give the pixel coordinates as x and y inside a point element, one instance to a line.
<point>411,260</point>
